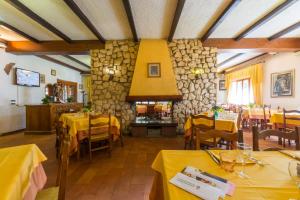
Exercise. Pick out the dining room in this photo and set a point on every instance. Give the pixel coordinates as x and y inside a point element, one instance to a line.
<point>149,99</point>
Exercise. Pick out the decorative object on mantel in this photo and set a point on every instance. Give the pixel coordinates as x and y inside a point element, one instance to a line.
<point>46,99</point>
<point>222,85</point>
<point>8,67</point>
<point>42,78</point>
<point>154,70</point>
<point>53,72</point>
<point>282,83</point>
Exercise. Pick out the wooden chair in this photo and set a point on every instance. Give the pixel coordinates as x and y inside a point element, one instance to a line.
<point>58,192</point>
<point>203,131</point>
<point>118,115</point>
<point>295,135</point>
<point>99,132</point>
<point>266,124</point>
<point>287,129</point>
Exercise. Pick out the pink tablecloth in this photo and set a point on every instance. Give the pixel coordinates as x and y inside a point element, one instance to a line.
<point>37,182</point>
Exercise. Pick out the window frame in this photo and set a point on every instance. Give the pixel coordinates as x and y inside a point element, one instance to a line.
<point>242,80</point>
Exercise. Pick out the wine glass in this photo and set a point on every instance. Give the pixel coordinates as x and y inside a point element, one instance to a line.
<point>244,154</point>
<point>294,171</point>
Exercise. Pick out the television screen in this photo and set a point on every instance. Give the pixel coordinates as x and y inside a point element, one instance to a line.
<point>27,78</point>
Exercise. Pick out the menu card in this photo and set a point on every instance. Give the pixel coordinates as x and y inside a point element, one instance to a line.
<point>202,184</point>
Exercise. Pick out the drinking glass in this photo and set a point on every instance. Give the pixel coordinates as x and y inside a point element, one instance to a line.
<point>245,151</point>
<point>228,160</point>
<point>294,170</point>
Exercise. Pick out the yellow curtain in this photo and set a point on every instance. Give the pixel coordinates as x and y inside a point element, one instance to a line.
<point>87,86</point>
<point>255,73</point>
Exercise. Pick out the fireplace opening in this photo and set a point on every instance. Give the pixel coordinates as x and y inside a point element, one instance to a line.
<point>153,118</point>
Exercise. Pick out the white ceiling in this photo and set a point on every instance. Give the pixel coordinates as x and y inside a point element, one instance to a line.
<point>70,62</point>
<point>152,18</point>
<point>86,59</point>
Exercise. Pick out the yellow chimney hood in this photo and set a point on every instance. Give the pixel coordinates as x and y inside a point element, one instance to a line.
<point>157,85</point>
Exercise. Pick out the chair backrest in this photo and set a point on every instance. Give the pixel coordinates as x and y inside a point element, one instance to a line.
<point>239,119</point>
<point>61,180</point>
<point>99,126</point>
<point>267,112</point>
<point>286,117</point>
<point>295,135</point>
<point>204,126</point>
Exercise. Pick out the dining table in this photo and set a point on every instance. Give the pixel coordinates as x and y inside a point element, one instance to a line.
<point>278,119</point>
<point>229,125</point>
<point>77,125</point>
<point>270,181</point>
<point>21,172</point>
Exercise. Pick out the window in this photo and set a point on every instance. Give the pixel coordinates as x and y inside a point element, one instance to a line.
<point>240,92</point>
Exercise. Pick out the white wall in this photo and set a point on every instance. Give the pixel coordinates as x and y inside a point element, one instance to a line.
<point>278,63</point>
<point>12,117</point>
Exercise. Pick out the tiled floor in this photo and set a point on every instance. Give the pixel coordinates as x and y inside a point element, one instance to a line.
<point>125,175</point>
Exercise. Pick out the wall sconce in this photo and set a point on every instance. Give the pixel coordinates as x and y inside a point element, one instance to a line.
<point>110,70</point>
<point>198,72</point>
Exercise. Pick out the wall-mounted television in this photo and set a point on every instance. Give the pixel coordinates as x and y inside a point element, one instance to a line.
<point>27,78</point>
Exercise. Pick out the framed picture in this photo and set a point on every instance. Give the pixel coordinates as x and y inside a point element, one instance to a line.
<point>80,86</point>
<point>153,70</point>
<point>282,84</point>
<point>53,72</point>
<point>222,85</point>
<point>42,78</point>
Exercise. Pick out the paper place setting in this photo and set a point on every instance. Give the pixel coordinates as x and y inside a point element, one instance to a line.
<point>203,184</point>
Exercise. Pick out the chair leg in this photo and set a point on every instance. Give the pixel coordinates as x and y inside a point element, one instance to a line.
<point>121,140</point>
<point>90,150</point>
<point>78,150</point>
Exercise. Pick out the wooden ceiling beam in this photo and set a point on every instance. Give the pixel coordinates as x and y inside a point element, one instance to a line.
<point>179,8</point>
<point>77,61</point>
<point>266,18</point>
<point>53,47</point>
<point>50,59</point>
<point>25,10</point>
<point>233,4</point>
<point>255,44</point>
<point>285,31</point>
<point>73,6</point>
<point>223,44</point>
<point>230,59</point>
<point>127,6</point>
<point>19,32</point>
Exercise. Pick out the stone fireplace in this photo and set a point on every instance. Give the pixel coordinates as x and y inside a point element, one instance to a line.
<point>197,93</point>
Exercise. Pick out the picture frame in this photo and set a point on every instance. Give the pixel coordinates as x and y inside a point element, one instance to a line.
<point>53,72</point>
<point>283,84</point>
<point>42,78</point>
<point>222,85</point>
<point>154,70</point>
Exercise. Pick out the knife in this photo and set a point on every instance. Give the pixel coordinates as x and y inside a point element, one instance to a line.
<point>217,161</point>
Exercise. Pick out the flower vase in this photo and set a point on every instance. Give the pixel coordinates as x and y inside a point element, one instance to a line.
<point>216,114</point>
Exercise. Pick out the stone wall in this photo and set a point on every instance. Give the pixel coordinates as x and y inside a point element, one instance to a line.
<point>199,94</point>
<point>109,95</point>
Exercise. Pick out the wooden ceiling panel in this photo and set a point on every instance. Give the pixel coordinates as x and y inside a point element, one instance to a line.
<point>286,18</point>
<point>19,20</point>
<point>153,18</point>
<point>293,34</point>
<point>9,35</point>
<point>58,14</point>
<point>83,58</point>
<point>197,16</point>
<point>109,17</point>
<point>245,14</point>
<point>70,62</point>
<point>239,59</point>
<point>221,57</point>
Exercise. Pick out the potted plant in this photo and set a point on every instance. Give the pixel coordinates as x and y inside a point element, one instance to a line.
<point>46,99</point>
<point>216,109</point>
<point>70,99</point>
<point>85,111</point>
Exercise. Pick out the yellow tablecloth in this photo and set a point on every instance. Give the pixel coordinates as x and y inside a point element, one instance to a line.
<point>257,113</point>
<point>16,166</point>
<point>268,182</point>
<point>79,123</point>
<point>277,118</point>
<point>220,124</point>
